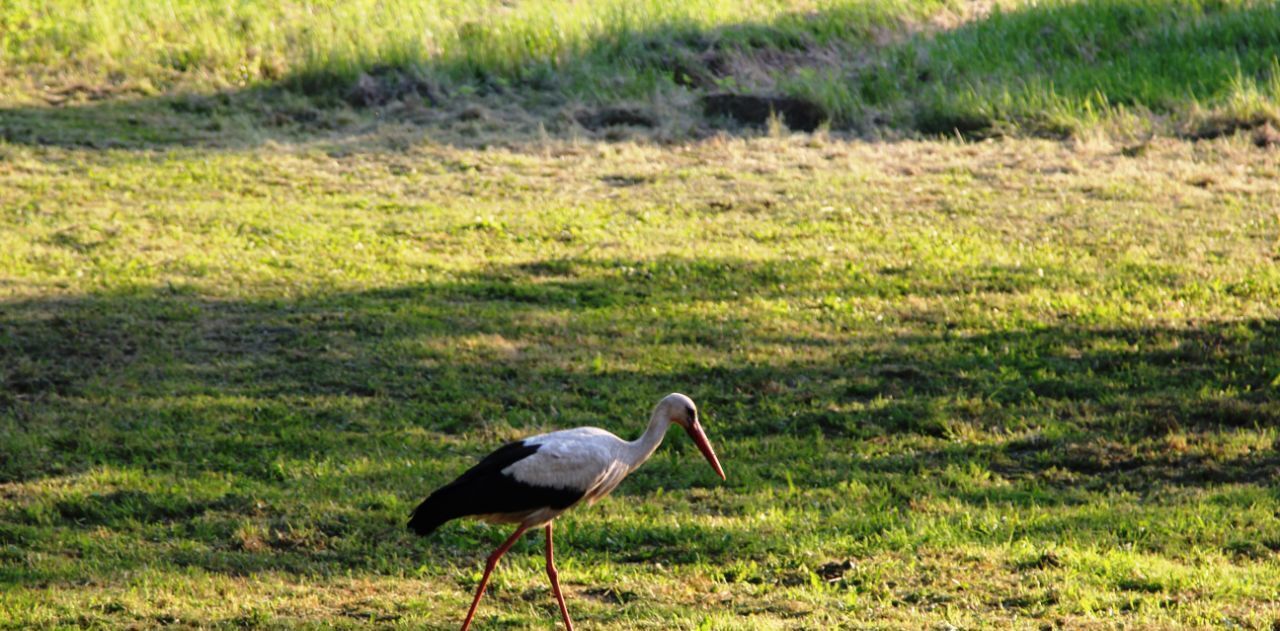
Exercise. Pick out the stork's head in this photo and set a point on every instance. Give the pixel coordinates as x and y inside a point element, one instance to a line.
<point>681,411</point>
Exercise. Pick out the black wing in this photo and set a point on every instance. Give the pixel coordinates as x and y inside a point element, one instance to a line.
<point>485,490</point>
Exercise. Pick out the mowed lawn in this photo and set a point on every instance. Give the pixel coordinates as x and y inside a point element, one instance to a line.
<point>996,346</point>
<point>1004,384</point>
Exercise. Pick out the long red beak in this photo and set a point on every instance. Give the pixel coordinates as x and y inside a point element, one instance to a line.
<point>700,439</point>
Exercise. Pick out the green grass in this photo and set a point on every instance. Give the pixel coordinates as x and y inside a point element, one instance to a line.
<point>1001,385</point>
<point>247,321</point>
<point>1128,68</point>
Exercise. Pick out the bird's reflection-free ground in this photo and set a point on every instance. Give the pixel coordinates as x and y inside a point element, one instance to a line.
<point>1008,383</point>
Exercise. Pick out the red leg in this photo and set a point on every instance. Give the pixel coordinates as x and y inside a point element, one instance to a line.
<point>488,569</point>
<point>555,582</point>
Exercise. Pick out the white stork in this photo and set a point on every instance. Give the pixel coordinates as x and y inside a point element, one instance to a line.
<point>532,481</point>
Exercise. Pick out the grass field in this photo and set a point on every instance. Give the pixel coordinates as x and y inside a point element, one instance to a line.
<point>246,324</point>
<point>879,68</point>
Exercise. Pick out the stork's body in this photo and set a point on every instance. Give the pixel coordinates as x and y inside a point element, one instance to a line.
<point>530,482</point>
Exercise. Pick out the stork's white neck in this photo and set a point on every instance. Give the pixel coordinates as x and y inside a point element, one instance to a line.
<point>641,448</point>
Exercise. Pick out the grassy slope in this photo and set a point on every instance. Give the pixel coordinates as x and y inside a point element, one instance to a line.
<point>1014,383</point>
<point>877,66</point>
<point>1000,384</point>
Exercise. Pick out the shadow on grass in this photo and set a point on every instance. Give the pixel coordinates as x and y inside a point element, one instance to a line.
<point>1043,69</point>
<point>305,429</point>
<point>87,379</point>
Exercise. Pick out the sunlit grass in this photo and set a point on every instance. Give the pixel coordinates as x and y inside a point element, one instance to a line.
<point>249,316</point>
<point>1058,68</point>
<point>1003,384</point>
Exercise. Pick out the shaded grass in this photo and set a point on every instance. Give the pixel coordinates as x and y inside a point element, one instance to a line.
<point>1008,384</point>
<point>875,67</point>
<point>237,45</point>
